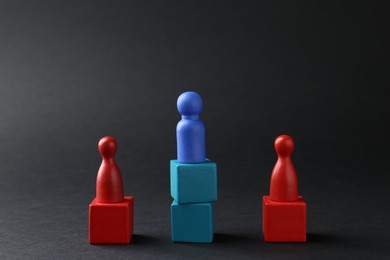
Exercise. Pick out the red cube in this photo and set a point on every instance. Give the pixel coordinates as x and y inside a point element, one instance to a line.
<point>284,221</point>
<point>111,223</point>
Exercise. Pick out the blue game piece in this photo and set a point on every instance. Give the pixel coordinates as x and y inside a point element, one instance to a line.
<point>194,183</point>
<point>192,222</point>
<point>190,131</point>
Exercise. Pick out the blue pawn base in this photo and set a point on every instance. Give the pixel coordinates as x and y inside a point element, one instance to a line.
<point>192,222</point>
<point>194,183</point>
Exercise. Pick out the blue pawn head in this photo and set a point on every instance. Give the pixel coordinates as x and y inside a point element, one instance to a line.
<point>189,104</point>
<point>190,131</point>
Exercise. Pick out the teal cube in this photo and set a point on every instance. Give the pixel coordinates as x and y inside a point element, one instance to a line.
<point>193,183</point>
<point>192,222</point>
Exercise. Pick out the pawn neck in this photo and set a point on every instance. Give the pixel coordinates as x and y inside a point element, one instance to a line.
<point>191,117</point>
<point>109,160</point>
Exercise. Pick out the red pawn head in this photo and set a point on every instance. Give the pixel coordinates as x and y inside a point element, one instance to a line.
<point>109,185</point>
<point>284,181</point>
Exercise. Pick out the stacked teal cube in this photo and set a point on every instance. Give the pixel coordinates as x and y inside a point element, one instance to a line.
<point>193,182</point>
<point>194,189</point>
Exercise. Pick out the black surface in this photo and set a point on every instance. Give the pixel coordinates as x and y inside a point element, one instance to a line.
<point>74,71</point>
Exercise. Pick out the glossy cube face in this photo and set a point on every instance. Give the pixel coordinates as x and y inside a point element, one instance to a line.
<point>111,223</point>
<point>284,221</point>
<point>192,222</point>
<point>194,183</point>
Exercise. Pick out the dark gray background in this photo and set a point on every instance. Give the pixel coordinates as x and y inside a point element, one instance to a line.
<point>72,72</point>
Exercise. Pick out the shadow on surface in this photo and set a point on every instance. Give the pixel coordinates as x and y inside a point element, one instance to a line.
<point>323,238</point>
<point>142,239</point>
<point>135,240</point>
<point>229,238</point>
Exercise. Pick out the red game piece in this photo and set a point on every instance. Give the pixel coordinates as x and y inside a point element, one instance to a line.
<point>110,213</point>
<point>284,212</point>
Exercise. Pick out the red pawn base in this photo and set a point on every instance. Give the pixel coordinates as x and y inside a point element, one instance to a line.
<point>111,223</point>
<point>284,221</point>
